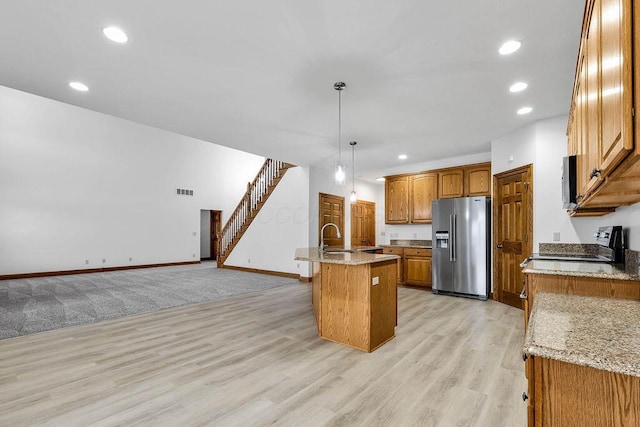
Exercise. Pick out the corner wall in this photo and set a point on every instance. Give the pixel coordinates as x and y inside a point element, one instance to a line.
<point>543,144</point>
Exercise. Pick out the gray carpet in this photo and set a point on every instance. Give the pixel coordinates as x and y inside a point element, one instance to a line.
<point>34,305</point>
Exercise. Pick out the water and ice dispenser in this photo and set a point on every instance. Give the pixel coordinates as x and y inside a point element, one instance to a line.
<point>442,239</point>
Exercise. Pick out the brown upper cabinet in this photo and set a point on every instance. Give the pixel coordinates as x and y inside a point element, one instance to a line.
<point>396,196</point>
<point>408,197</point>
<point>477,180</point>
<point>450,183</point>
<point>601,130</point>
<point>423,189</point>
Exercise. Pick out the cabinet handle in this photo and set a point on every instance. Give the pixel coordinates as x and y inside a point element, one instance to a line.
<point>524,357</point>
<point>524,396</point>
<point>594,173</point>
<point>523,293</point>
<point>500,246</point>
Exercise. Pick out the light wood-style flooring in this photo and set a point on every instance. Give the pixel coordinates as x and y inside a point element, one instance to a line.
<point>256,359</point>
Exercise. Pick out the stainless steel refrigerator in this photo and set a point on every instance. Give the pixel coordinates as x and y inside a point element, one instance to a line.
<point>461,257</point>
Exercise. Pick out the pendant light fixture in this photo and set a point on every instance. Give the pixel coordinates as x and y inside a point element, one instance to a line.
<point>353,197</point>
<point>339,166</point>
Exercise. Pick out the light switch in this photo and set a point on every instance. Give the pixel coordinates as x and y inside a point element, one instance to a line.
<point>375,281</point>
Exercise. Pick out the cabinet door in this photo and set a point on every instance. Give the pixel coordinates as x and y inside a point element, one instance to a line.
<point>417,266</point>
<point>450,183</point>
<point>423,190</point>
<point>591,69</point>
<point>615,67</point>
<point>400,264</point>
<point>478,180</point>
<point>397,200</point>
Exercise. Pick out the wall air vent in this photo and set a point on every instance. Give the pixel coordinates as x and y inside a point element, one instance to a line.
<point>183,192</point>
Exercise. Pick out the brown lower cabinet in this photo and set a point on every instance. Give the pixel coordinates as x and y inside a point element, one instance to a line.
<point>564,394</point>
<point>414,266</point>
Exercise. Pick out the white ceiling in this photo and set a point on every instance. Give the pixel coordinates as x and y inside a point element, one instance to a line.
<point>423,77</point>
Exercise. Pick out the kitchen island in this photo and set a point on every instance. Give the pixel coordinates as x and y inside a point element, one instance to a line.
<point>354,296</point>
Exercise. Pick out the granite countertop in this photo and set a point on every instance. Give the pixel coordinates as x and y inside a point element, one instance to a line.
<point>579,268</point>
<point>601,333</point>
<point>418,244</point>
<point>351,258</point>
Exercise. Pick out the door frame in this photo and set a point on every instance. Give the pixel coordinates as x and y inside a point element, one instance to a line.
<point>528,169</point>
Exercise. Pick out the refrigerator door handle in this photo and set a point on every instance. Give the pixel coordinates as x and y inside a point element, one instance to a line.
<point>450,238</point>
<point>452,244</point>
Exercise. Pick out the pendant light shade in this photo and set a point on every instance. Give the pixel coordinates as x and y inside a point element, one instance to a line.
<point>340,173</point>
<point>353,197</point>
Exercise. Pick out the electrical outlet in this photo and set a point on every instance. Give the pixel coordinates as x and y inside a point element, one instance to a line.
<point>382,233</point>
<point>194,255</point>
<point>556,236</point>
<point>104,260</point>
<point>130,259</point>
<point>375,281</point>
<point>415,235</point>
<point>249,261</point>
<point>298,265</point>
<point>195,233</point>
<point>86,261</point>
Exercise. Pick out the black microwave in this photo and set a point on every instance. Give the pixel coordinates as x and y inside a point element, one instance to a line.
<point>569,186</point>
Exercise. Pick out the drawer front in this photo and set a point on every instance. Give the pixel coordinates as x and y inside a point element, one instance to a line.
<point>417,252</point>
<point>394,251</point>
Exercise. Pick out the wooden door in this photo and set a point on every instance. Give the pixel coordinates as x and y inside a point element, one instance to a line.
<point>423,189</point>
<point>450,183</point>
<point>396,197</point>
<point>512,232</point>
<point>363,223</point>
<point>331,210</point>
<point>216,227</point>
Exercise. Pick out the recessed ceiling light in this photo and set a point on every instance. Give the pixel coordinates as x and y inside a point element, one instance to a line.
<point>525,110</point>
<point>402,156</point>
<point>518,87</point>
<point>381,179</point>
<point>79,86</point>
<point>115,34</point>
<point>509,47</point>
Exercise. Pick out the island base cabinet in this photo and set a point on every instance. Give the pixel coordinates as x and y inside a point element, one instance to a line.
<point>357,303</point>
<point>569,395</point>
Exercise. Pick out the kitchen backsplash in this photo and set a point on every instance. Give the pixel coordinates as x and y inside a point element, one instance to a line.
<point>410,242</point>
<point>568,248</point>
<point>632,262</point>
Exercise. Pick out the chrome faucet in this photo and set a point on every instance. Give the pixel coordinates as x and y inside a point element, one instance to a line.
<point>322,233</point>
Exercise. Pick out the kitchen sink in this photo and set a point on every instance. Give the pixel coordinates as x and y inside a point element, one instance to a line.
<point>350,251</point>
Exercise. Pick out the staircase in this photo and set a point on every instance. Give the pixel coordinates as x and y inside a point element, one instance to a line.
<point>257,194</point>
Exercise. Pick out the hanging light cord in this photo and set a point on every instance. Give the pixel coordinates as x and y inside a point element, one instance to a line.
<point>339,125</point>
<point>353,166</point>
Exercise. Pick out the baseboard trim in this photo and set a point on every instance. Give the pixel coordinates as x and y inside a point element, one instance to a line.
<point>269,272</point>
<point>91,270</point>
<point>305,279</point>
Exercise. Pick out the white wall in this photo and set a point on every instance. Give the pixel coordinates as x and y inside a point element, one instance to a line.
<point>544,144</point>
<point>78,185</point>
<point>322,181</point>
<point>280,227</point>
<point>205,234</point>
